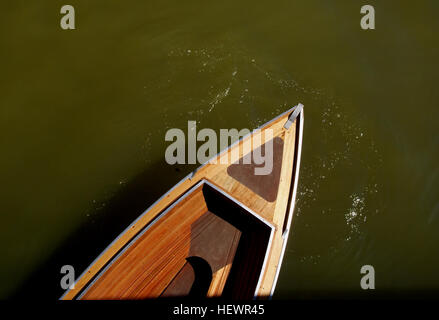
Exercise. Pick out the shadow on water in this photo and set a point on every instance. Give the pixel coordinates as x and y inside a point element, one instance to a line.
<point>90,238</point>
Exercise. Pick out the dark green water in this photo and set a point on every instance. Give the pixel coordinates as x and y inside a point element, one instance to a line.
<point>83,115</point>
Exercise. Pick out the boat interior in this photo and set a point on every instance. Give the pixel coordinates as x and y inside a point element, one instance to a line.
<point>219,232</point>
<point>205,244</point>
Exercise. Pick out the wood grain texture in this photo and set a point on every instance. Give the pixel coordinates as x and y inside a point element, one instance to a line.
<point>147,268</point>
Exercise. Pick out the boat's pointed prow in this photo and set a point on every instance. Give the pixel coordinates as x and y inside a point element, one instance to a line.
<point>230,217</point>
<point>296,111</point>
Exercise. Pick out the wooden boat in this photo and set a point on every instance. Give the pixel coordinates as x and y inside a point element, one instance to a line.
<point>221,231</point>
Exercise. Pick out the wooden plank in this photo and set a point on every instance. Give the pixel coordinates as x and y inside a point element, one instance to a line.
<point>280,211</point>
<point>153,262</point>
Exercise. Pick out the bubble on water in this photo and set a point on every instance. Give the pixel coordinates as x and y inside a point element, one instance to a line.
<point>219,97</point>
<point>356,215</point>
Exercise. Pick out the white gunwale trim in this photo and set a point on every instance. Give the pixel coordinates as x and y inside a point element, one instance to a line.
<point>264,264</point>
<point>237,202</point>
<point>188,177</point>
<point>293,202</point>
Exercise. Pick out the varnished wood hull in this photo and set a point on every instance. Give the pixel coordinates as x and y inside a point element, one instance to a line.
<point>221,231</point>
